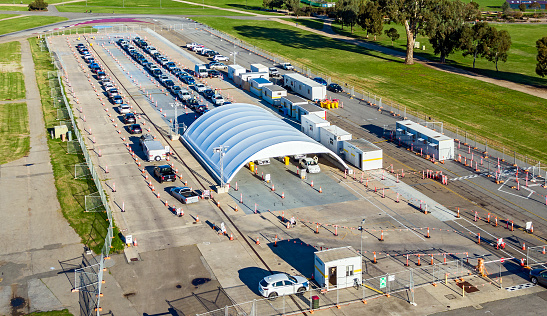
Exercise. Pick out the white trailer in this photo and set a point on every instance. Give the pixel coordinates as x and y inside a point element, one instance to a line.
<point>362,154</point>
<point>154,150</point>
<point>332,137</point>
<point>245,77</point>
<point>310,125</point>
<point>257,84</point>
<point>305,87</point>
<point>424,140</point>
<point>259,68</point>
<point>289,104</point>
<point>338,268</point>
<point>272,94</point>
<point>235,70</point>
<point>304,109</point>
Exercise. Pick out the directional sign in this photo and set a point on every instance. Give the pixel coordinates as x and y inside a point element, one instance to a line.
<point>382,282</point>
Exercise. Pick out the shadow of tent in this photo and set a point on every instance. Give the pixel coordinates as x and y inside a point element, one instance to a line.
<point>198,303</point>
<point>297,254</point>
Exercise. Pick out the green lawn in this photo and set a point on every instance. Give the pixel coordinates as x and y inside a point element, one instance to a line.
<point>12,8</point>
<point>471,104</point>
<point>190,10</point>
<point>27,22</point>
<point>487,5</point>
<point>5,16</point>
<point>311,23</point>
<point>29,1</point>
<point>254,6</point>
<point>14,132</point>
<point>12,84</point>
<point>64,312</point>
<point>521,60</point>
<point>90,226</point>
<point>10,53</point>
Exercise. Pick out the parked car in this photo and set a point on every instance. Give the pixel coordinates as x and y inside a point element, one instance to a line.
<point>101,75</point>
<point>217,99</point>
<point>214,73</point>
<point>216,65</point>
<point>274,72</point>
<point>320,80</point>
<point>287,66</point>
<point>165,173</point>
<point>185,195</point>
<point>200,87</point>
<point>208,93</point>
<point>220,58</point>
<point>175,89</point>
<point>539,276</point>
<point>188,80</point>
<point>124,108</point>
<point>135,129</point>
<point>129,118</point>
<point>183,94</point>
<point>201,109</point>
<point>334,87</point>
<point>117,99</point>
<point>282,284</point>
<point>191,103</point>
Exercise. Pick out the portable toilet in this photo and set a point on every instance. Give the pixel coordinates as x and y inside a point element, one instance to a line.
<point>332,137</point>
<point>310,125</point>
<point>272,94</point>
<point>257,85</point>
<point>338,268</point>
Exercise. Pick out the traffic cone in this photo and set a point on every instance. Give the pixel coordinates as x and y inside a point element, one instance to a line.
<point>374,257</point>
<point>282,195</point>
<point>236,209</point>
<point>523,246</point>
<point>320,190</point>
<point>311,183</point>
<point>197,218</point>
<point>231,236</point>
<point>273,187</point>
<point>257,241</point>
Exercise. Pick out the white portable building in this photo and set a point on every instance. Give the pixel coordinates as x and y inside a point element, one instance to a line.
<point>338,268</point>
<point>258,68</point>
<point>310,124</point>
<point>235,70</point>
<point>289,104</point>
<point>362,154</point>
<point>305,87</point>
<point>245,77</point>
<point>309,108</point>
<point>257,84</point>
<point>272,94</point>
<point>425,140</point>
<point>332,137</point>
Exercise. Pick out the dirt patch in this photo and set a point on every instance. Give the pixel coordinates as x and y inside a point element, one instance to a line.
<point>10,67</point>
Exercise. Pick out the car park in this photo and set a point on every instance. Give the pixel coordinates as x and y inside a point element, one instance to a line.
<point>334,87</point>
<point>320,80</point>
<point>208,93</point>
<point>124,108</point>
<point>217,99</point>
<point>185,195</point>
<point>200,87</point>
<point>282,284</point>
<point>220,58</point>
<point>287,66</point>
<point>135,129</point>
<point>129,118</point>
<point>165,173</point>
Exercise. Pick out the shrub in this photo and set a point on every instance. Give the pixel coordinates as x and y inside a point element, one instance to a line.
<point>37,5</point>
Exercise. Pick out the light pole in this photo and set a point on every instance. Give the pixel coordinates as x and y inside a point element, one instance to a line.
<point>361,228</point>
<point>175,120</point>
<point>221,150</point>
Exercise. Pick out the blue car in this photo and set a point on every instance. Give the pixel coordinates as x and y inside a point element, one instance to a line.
<point>188,80</point>
<point>320,80</point>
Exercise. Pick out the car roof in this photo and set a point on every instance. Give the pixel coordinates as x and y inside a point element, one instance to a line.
<point>276,277</point>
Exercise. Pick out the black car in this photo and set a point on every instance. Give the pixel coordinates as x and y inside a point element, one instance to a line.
<point>201,109</point>
<point>334,87</point>
<point>101,75</point>
<point>168,83</point>
<point>214,73</point>
<point>539,276</point>
<point>191,103</point>
<point>165,173</point>
<point>135,129</point>
<point>129,118</point>
<point>209,93</point>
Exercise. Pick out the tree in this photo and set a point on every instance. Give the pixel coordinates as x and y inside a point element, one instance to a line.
<point>445,26</point>
<point>473,40</point>
<point>272,4</point>
<point>37,5</point>
<point>541,67</point>
<point>499,43</point>
<point>534,5</point>
<point>505,7</point>
<point>413,14</point>
<point>522,7</point>
<point>348,12</point>
<point>370,18</point>
<point>392,34</point>
<point>293,5</point>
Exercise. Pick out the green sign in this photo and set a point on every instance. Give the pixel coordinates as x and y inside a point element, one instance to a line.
<point>382,282</point>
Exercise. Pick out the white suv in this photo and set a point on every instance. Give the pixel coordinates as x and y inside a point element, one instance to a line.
<point>282,284</point>
<point>220,58</point>
<point>217,99</point>
<point>184,94</point>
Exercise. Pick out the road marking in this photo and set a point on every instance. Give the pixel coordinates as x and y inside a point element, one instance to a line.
<point>520,287</point>
<point>464,178</point>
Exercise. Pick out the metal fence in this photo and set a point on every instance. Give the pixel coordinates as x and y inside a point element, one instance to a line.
<point>401,284</point>
<point>85,280</point>
<point>536,256</point>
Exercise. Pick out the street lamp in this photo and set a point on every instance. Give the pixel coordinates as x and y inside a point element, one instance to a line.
<point>175,120</point>
<point>361,228</point>
<point>221,150</point>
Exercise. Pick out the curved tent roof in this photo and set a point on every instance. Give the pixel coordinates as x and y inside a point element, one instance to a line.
<point>250,133</point>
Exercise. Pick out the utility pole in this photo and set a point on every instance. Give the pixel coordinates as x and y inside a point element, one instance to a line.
<point>221,150</point>
<point>361,228</point>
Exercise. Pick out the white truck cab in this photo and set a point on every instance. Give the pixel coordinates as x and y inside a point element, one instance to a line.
<point>310,164</point>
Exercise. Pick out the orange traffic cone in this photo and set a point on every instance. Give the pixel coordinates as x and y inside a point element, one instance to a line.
<point>257,241</point>
<point>320,190</point>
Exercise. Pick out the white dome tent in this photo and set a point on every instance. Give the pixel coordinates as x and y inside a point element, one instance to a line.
<point>250,133</point>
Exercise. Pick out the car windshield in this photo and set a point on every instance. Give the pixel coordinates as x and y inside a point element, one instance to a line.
<point>166,170</point>
<point>292,278</point>
<point>264,283</point>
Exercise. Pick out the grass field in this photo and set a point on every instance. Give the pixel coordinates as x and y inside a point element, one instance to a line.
<point>64,312</point>
<point>12,84</point>
<point>188,11</point>
<point>14,132</point>
<point>12,8</point>
<point>5,16</point>
<point>311,23</point>
<point>511,117</point>
<point>91,226</point>
<point>29,1</point>
<point>254,6</point>
<point>27,22</point>
<point>521,60</point>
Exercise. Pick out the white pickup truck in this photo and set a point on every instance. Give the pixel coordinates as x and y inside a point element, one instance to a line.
<point>185,195</point>
<point>310,164</point>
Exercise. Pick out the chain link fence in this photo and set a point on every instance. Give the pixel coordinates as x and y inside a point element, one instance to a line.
<point>536,256</point>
